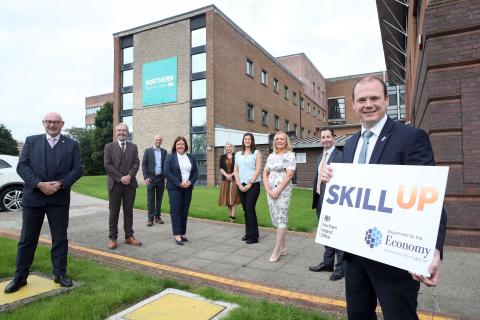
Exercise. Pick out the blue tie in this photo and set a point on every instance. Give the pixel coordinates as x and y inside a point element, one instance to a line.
<point>363,152</point>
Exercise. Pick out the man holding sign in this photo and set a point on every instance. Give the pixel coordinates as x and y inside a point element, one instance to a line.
<point>384,141</point>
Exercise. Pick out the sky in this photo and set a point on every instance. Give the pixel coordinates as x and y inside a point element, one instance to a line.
<point>55,53</point>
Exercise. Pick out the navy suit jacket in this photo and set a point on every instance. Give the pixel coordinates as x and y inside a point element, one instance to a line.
<point>336,156</point>
<point>148,162</point>
<point>173,174</point>
<point>32,168</point>
<point>402,145</point>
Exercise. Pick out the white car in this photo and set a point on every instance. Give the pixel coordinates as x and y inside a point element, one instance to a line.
<point>11,185</point>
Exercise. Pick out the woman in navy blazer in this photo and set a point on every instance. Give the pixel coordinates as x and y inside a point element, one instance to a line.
<point>181,172</point>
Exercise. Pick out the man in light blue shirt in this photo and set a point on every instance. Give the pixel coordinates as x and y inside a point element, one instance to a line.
<point>152,169</point>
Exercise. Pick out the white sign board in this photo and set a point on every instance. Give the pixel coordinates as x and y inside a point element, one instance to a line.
<point>387,213</point>
<point>301,157</point>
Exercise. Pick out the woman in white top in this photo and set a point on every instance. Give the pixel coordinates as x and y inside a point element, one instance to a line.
<point>181,172</point>
<point>277,180</point>
<point>248,163</point>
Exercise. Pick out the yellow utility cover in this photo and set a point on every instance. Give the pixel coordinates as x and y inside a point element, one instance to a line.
<point>174,306</point>
<point>35,285</point>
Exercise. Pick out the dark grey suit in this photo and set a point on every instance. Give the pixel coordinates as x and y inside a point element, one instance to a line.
<point>157,185</point>
<point>119,164</point>
<point>330,253</point>
<point>41,163</point>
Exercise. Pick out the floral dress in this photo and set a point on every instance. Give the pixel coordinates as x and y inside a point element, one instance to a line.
<point>277,165</point>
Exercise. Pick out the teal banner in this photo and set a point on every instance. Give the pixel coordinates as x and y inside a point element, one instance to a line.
<point>159,82</point>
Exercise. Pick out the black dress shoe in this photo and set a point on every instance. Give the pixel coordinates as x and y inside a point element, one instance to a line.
<point>321,267</point>
<point>250,241</point>
<point>336,276</point>
<point>64,281</point>
<point>179,242</point>
<point>245,238</point>
<point>184,239</point>
<point>15,284</point>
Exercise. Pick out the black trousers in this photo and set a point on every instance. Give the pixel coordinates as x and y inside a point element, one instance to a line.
<point>330,253</point>
<point>179,206</point>
<point>155,196</point>
<point>120,195</point>
<point>366,280</point>
<point>31,226</point>
<point>249,201</point>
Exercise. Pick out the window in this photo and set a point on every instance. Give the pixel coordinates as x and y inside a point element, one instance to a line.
<point>277,122</point>
<point>127,55</point>
<point>295,98</point>
<point>264,77</point>
<point>265,118</point>
<point>295,128</point>
<point>396,97</point>
<point>302,104</point>
<point>302,132</point>
<point>336,110</point>
<point>286,93</point>
<point>287,126</point>
<point>309,108</point>
<point>314,87</point>
<point>129,122</point>
<point>127,101</point>
<point>199,117</point>
<point>309,133</point>
<point>276,85</point>
<point>199,37</point>
<point>199,62</point>
<point>250,114</point>
<point>4,164</point>
<point>199,143</point>
<point>199,89</point>
<point>127,78</point>
<point>250,67</point>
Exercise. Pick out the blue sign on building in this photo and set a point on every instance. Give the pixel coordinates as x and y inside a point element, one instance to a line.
<point>159,82</point>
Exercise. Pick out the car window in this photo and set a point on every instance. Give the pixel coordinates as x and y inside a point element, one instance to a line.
<point>4,164</point>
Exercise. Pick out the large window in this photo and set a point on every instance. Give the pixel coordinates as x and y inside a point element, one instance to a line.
<point>199,89</point>
<point>129,122</point>
<point>199,37</point>
<point>199,117</point>
<point>127,55</point>
<point>249,67</point>
<point>287,126</point>
<point>250,113</point>
<point>199,62</point>
<point>199,143</point>
<point>336,110</point>
<point>277,122</point>
<point>127,101</point>
<point>127,78</point>
<point>285,92</point>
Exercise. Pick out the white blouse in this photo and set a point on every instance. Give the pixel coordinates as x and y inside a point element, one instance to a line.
<point>185,166</point>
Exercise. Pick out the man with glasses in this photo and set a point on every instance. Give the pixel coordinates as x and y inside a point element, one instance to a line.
<point>49,164</point>
<point>152,169</point>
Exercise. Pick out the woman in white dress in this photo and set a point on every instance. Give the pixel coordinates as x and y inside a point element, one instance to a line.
<point>277,180</point>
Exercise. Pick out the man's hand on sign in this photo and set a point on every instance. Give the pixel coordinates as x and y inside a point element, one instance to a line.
<point>434,270</point>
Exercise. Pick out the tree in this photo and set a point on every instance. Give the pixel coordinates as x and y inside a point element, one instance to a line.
<point>8,145</point>
<point>92,141</point>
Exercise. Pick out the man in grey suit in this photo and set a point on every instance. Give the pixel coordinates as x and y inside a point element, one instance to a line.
<point>152,169</point>
<point>122,164</point>
<point>327,138</point>
<point>49,164</point>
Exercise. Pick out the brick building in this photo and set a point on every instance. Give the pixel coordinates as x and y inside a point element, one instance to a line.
<point>433,47</point>
<point>92,105</point>
<point>200,76</point>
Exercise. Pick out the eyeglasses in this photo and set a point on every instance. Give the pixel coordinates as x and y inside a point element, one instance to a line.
<point>49,122</point>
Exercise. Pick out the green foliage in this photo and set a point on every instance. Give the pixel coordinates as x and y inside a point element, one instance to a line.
<point>8,145</point>
<point>92,141</point>
<point>301,216</point>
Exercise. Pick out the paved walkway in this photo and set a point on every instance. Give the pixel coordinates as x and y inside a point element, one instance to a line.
<point>215,248</point>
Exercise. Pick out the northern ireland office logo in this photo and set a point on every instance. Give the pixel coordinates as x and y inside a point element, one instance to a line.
<point>373,237</point>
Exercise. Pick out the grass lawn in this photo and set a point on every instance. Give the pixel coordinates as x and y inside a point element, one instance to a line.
<point>205,204</point>
<point>108,290</point>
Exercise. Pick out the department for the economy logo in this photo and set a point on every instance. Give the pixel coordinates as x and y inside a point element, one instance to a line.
<point>373,237</point>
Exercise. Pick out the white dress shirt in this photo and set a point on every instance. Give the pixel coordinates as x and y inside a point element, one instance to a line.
<point>376,130</point>
<point>185,166</point>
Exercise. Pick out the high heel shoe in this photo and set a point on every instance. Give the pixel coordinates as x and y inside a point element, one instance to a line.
<point>273,258</point>
<point>283,252</point>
